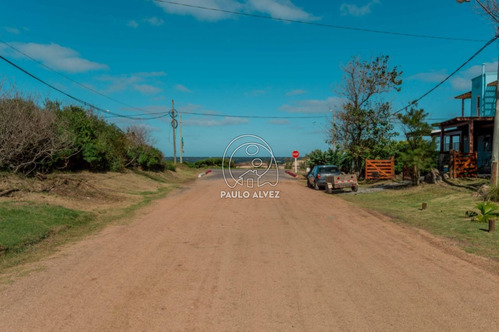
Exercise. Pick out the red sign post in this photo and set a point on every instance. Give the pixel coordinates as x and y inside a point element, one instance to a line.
<point>295,154</point>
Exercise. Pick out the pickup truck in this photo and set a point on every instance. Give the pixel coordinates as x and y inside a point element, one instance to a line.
<point>317,176</point>
<point>338,182</point>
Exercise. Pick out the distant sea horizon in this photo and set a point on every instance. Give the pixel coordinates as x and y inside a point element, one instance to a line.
<point>190,159</point>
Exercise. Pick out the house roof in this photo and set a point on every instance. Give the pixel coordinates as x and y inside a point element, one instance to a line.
<point>463,120</point>
<point>494,83</point>
<point>466,95</point>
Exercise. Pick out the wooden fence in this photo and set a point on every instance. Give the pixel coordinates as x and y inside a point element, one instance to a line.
<point>463,164</point>
<point>382,169</point>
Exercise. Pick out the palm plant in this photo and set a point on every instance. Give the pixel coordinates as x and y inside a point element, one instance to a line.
<point>488,212</point>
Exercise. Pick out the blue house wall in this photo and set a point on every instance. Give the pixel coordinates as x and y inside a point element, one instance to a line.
<point>486,106</point>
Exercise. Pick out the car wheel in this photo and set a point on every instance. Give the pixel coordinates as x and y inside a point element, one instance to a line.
<point>355,188</point>
<point>316,186</point>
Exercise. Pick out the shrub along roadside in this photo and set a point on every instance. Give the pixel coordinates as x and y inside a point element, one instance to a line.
<point>43,139</point>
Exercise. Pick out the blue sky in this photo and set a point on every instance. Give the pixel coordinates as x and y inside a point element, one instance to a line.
<point>146,53</point>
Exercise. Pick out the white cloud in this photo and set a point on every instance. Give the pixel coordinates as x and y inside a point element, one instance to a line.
<point>133,24</point>
<point>182,88</point>
<point>135,81</point>
<point>13,31</point>
<point>313,105</point>
<point>56,57</point>
<point>147,89</point>
<point>462,81</point>
<point>155,21</point>
<point>432,76</point>
<point>149,109</point>
<point>280,8</point>
<point>275,8</point>
<point>296,92</point>
<point>258,92</point>
<point>355,10</point>
<point>279,121</point>
<point>151,74</point>
<point>210,121</point>
<point>200,14</point>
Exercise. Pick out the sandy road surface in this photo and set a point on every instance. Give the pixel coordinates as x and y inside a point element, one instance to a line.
<point>306,261</point>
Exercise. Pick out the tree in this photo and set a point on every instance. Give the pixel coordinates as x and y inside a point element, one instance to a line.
<point>364,123</point>
<point>420,152</point>
<point>328,157</point>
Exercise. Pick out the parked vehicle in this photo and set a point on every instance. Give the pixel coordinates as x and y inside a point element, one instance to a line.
<point>338,182</point>
<point>317,176</point>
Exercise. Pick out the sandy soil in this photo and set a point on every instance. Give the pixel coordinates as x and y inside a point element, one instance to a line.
<point>306,261</point>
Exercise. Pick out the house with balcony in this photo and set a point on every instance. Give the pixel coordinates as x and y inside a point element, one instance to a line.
<point>465,142</point>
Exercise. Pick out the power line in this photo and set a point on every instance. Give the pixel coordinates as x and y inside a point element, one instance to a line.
<point>81,101</point>
<point>139,116</point>
<point>243,116</point>
<point>317,24</point>
<point>449,76</point>
<point>257,116</point>
<point>68,78</point>
<point>134,116</point>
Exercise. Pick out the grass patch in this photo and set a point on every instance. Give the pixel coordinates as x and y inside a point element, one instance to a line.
<point>23,223</point>
<point>31,230</point>
<point>444,216</point>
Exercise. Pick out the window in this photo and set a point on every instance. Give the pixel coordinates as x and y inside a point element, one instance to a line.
<point>478,105</point>
<point>455,143</point>
<point>487,143</point>
<point>330,169</point>
<point>446,146</point>
<point>466,144</point>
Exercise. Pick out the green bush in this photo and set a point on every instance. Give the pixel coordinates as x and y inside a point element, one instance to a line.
<point>212,162</point>
<point>169,165</point>
<point>328,157</point>
<point>42,139</point>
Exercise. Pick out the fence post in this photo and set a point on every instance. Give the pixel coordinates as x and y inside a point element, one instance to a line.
<point>392,167</point>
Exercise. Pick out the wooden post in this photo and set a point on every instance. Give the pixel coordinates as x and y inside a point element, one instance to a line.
<point>441,141</point>
<point>173,131</point>
<point>392,167</point>
<point>452,164</point>
<point>181,150</point>
<point>471,136</point>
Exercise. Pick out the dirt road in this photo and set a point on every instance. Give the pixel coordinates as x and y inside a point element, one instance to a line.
<point>305,261</point>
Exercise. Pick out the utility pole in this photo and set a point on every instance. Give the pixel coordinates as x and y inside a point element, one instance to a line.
<point>174,125</point>
<point>182,138</point>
